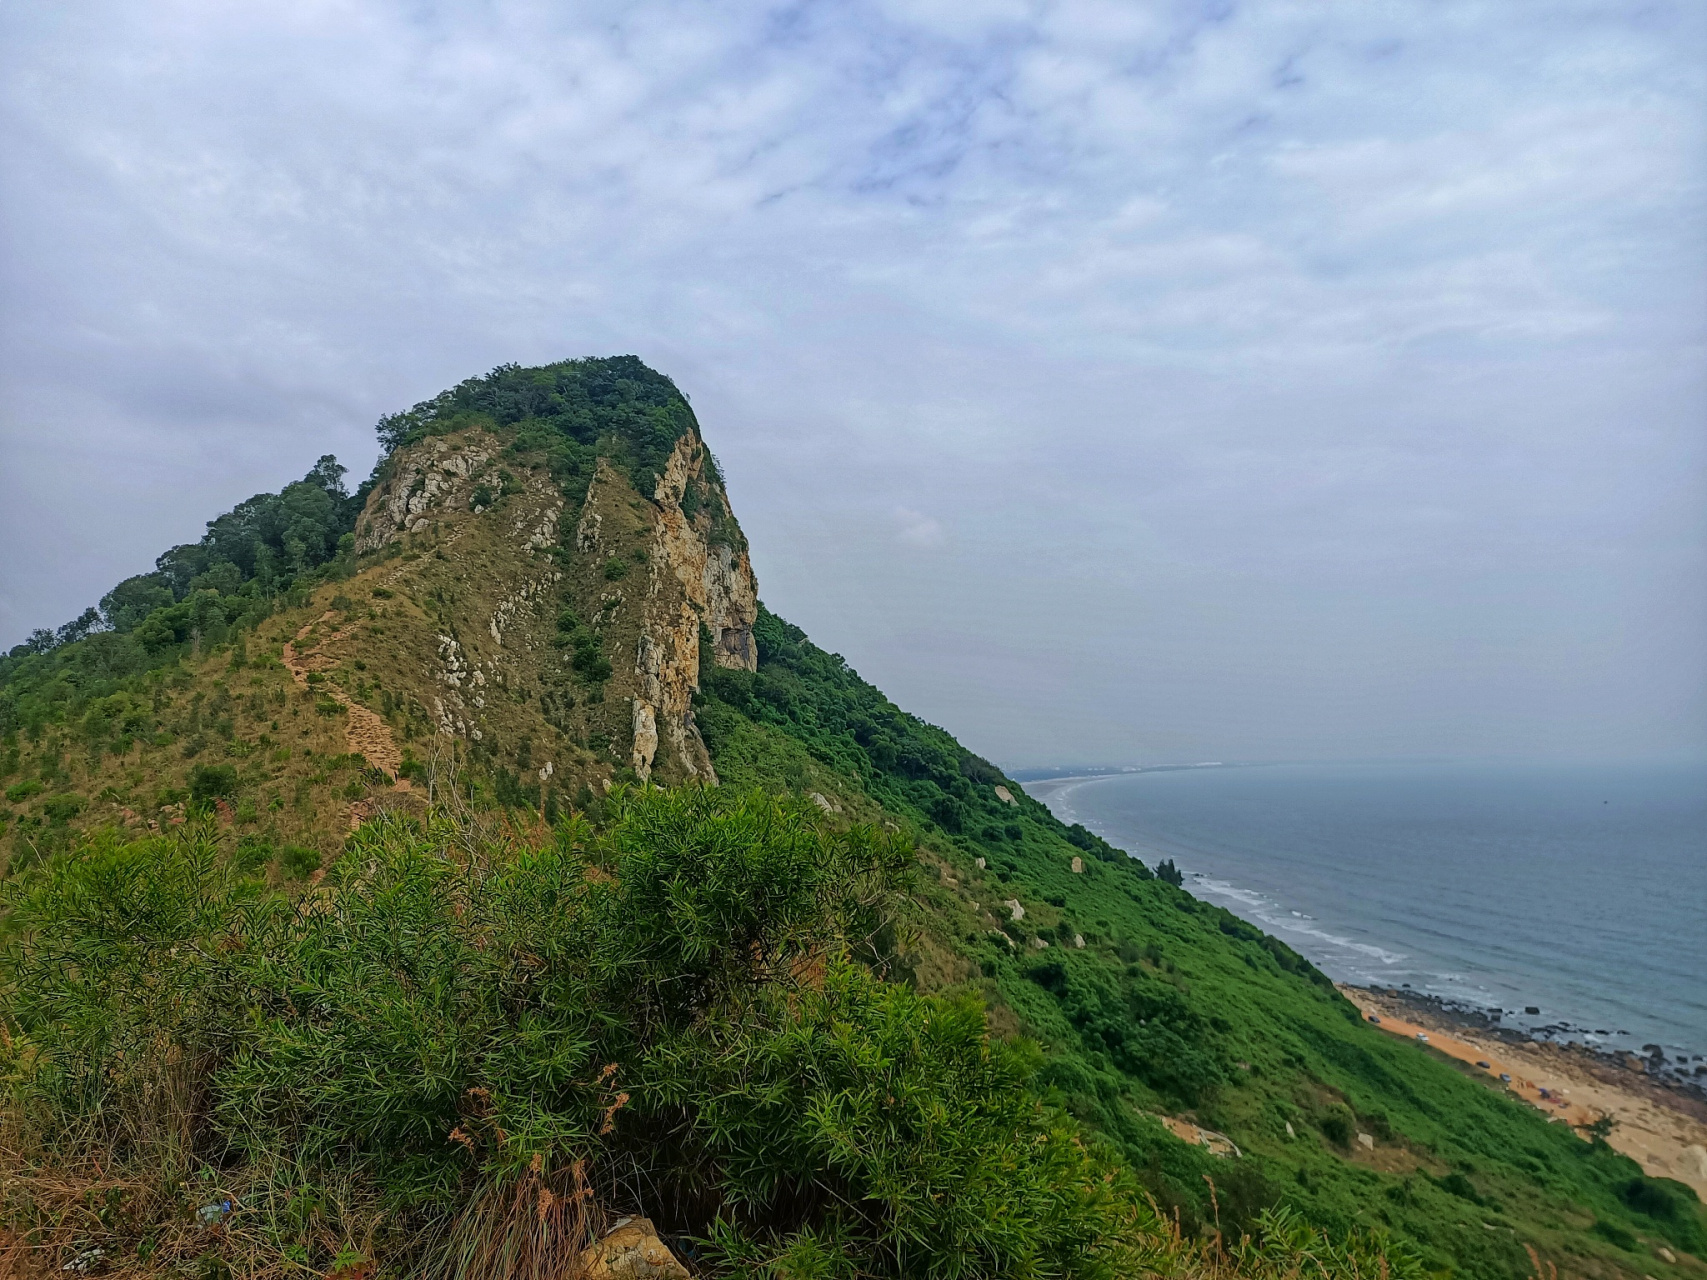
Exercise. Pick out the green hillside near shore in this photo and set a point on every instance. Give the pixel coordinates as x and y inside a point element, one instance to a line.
<point>880,1012</point>
<point>1174,1006</point>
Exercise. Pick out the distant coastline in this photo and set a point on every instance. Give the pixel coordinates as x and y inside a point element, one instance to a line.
<point>1655,1068</point>
<point>1659,1117</point>
<point>1655,1101</point>
<point>1448,883</point>
<point>1075,773</point>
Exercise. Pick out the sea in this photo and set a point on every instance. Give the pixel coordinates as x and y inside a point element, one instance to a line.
<point>1576,891</point>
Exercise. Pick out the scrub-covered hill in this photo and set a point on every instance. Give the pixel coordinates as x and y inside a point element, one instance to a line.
<point>380,768</point>
<point>1164,1018</point>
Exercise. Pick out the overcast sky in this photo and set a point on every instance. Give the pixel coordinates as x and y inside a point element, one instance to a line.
<point>1106,381</point>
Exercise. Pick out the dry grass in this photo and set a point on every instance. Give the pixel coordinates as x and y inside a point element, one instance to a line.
<point>536,1227</point>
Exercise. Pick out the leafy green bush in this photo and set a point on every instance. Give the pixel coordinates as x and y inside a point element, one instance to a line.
<point>21,791</point>
<point>589,659</point>
<point>1614,1234</point>
<point>253,852</point>
<point>1456,1184</point>
<point>211,781</point>
<point>1671,1204</point>
<point>299,860</point>
<point>1337,1125</point>
<point>63,808</point>
<point>684,1014</point>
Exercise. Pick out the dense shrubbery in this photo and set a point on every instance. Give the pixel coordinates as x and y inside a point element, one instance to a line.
<point>589,660</point>
<point>573,412</point>
<point>254,551</point>
<point>1082,837</point>
<point>437,1050</point>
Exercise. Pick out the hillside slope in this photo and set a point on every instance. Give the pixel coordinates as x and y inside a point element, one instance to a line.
<point>1163,1016</point>
<point>541,593</point>
<point>502,607</point>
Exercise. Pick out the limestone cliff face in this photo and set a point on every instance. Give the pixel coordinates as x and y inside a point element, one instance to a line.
<point>488,601</point>
<point>694,581</point>
<point>447,475</point>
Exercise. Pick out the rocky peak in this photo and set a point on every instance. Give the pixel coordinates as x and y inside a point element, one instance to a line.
<point>559,638</point>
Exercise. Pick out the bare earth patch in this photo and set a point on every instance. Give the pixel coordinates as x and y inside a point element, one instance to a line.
<point>1663,1131</point>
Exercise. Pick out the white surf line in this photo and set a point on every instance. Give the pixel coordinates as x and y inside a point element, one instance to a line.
<point>1056,800</point>
<point>1278,918</point>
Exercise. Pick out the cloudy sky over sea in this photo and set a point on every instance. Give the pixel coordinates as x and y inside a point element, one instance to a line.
<point>1111,381</point>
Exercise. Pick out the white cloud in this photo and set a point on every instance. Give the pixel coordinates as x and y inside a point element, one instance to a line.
<point>918,530</point>
<point>1296,336</point>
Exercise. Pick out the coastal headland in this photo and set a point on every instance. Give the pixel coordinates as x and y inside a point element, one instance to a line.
<point>1661,1128</point>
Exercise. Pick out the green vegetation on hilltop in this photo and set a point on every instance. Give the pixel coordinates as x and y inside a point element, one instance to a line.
<point>275,545</point>
<point>574,412</point>
<point>100,674</point>
<point>112,692</point>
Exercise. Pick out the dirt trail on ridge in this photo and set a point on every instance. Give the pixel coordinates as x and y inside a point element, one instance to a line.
<point>365,731</point>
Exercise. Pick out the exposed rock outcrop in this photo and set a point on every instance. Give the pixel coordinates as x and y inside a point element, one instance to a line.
<point>466,533</point>
<point>694,581</point>
<point>631,1251</point>
<point>437,475</point>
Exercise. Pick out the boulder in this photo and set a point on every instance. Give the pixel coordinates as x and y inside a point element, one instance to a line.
<point>631,1250</point>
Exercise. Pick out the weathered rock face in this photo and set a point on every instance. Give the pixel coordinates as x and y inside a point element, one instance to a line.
<point>452,474</point>
<point>694,581</point>
<point>631,1251</point>
<point>462,543</point>
<point>716,574</point>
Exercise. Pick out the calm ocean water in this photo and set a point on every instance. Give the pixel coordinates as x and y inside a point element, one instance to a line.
<point>1579,890</point>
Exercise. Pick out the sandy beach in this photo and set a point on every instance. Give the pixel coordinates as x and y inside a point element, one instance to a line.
<point>1664,1131</point>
